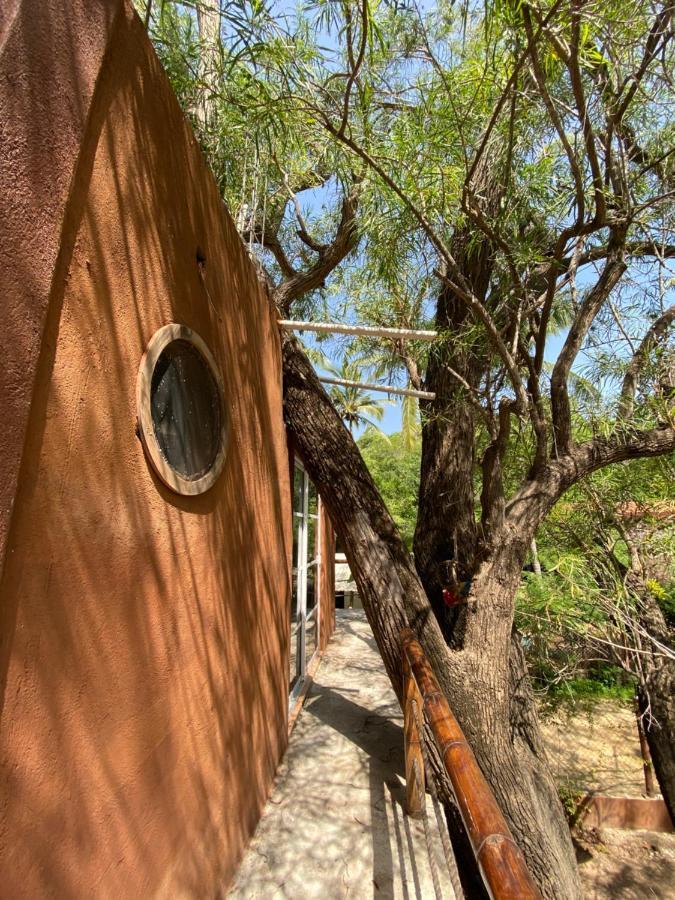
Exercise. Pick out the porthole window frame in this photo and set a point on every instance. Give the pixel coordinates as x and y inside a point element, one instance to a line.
<point>146,428</point>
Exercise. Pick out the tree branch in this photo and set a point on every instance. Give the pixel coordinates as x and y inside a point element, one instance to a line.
<point>357,63</point>
<point>554,117</point>
<point>345,240</point>
<point>302,232</point>
<point>492,493</point>
<point>410,364</point>
<point>560,404</point>
<point>658,36</point>
<point>505,95</point>
<point>271,242</point>
<point>634,248</point>
<point>582,111</point>
<point>655,334</point>
<point>534,500</point>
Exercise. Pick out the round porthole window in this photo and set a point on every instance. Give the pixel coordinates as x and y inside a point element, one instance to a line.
<point>181,413</point>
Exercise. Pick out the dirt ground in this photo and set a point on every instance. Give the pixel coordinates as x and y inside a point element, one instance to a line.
<point>599,752</point>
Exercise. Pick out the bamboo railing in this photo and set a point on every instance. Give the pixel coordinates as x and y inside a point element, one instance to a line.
<point>501,863</point>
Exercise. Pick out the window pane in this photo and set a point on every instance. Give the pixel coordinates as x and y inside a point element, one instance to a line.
<point>298,478</point>
<point>185,407</point>
<point>310,639</point>
<point>313,500</point>
<point>312,539</point>
<point>296,539</point>
<point>311,588</point>
<point>294,585</point>
<point>293,667</point>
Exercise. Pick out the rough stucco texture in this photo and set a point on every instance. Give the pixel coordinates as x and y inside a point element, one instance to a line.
<point>143,635</point>
<point>49,62</point>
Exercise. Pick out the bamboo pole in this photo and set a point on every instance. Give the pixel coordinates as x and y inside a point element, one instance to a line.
<point>414,761</point>
<point>365,330</point>
<point>383,388</point>
<point>501,862</point>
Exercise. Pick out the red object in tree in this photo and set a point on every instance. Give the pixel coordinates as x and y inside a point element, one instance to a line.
<point>450,598</point>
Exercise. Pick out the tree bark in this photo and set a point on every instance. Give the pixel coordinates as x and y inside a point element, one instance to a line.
<point>656,700</point>
<point>208,22</point>
<point>445,533</point>
<point>495,705</point>
<point>487,685</point>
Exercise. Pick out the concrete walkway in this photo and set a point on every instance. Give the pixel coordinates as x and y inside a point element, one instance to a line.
<point>335,825</point>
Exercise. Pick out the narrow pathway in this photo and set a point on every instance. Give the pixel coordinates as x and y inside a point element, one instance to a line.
<point>335,825</point>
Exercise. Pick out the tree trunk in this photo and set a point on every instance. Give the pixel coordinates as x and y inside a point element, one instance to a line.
<point>656,699</point>
<point>446,534</point>
<point>208,22</point>
<point>495,705</point>
<point>487,684</point>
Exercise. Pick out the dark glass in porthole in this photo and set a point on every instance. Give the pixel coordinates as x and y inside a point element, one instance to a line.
<point>186,411</point>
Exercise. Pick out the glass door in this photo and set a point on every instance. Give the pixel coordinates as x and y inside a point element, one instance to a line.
<point>305,587</point>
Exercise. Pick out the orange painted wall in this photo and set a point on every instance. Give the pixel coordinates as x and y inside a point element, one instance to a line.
<point>143,635</point>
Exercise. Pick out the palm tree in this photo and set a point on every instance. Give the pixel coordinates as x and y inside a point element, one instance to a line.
<point>354,404</point>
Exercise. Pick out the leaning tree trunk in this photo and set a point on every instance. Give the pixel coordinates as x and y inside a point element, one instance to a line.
<point>487,684</point>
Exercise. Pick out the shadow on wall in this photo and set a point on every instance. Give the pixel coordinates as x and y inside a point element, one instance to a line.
<point>144,635</point>
<point>48,78</point>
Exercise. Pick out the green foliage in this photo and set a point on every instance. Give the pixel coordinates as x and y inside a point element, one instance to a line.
<point>571,794</point>
<point>606,683</point>
<point>395,469</point>
<point>571,618</point>
<point>665,597</point>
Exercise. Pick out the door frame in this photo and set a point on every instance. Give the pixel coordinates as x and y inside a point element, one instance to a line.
<point>302,564</point>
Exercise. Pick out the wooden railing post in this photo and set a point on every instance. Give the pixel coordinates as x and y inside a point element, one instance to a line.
<point>414,761</point>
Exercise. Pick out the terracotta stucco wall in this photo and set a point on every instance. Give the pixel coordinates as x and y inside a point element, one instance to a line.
<point>143,654</point>
<point>50,59</point>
